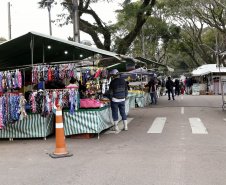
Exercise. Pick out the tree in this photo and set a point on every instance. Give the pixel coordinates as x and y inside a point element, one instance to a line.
<point>99,28</point>
<point>195,29</point>
<point>156,36</point>
<point>2,39</point>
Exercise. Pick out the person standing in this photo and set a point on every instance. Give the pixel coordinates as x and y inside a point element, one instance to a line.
<point>118,91</point>
<point>169,86</point>
<point>177,87</point>
<point>188,85</point>
<point>164,86</point>
<point>152,89</point>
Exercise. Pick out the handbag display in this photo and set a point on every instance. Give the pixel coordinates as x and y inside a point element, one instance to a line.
<point>87,103</point>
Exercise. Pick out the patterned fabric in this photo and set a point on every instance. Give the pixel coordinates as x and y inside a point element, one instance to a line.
<point>89,121</point>
<point>32,127</point>
<point>118,88</point>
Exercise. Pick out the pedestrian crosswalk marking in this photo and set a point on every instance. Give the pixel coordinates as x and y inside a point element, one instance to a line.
<point>182,110</point>
<point>157,125</point>
<point>197,126</point>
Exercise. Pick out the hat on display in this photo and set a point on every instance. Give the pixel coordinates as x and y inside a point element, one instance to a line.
<point>114,72</point>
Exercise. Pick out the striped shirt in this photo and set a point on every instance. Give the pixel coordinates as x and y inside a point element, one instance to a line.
<point>118,89</point>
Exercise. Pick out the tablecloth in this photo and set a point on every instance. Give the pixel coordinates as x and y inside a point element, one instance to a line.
<point>89,120</point>
<point>32,127</point>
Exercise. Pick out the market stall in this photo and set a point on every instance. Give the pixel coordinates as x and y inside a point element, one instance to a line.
<point>208,77</point>
<point>89,120</point>
<point>48,59</point>
<point>138,94</point>
<point>137,98</point>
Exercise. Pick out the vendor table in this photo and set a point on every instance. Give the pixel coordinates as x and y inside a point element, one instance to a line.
<point>89,120</point>
<point>141,100</point>
<point>31,127</point>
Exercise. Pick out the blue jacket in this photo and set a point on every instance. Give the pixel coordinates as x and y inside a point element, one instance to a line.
<point>188,82</point>
<point>118,88</point>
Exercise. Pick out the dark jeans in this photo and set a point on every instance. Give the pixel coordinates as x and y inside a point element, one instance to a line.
<point>153,96</point>
<point>170,90</point>
<point>177,91</point>
<point>121,106</point>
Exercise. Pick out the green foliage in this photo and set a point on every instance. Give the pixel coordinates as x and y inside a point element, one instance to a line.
<point>174,31</point>
<point>2,39</point>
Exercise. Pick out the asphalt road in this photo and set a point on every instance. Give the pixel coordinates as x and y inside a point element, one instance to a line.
<point>187,147</point>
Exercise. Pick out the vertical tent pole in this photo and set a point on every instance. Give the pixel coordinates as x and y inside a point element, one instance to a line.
<point>32,52</point>
<point>43,61</point>
<point>142,83</point>
<point>24,81</point>
<point>44,94</point>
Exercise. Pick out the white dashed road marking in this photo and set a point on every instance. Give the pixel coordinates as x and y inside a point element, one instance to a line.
<point>157,125</point>
<point>197,126</point>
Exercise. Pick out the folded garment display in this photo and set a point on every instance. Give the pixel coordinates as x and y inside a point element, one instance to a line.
<point>87,103</point>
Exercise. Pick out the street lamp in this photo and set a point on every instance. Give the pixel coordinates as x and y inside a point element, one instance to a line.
<point>48,4</point>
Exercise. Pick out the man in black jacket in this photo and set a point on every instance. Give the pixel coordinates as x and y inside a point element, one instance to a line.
<point>169,86</point>
<point>177,87</point>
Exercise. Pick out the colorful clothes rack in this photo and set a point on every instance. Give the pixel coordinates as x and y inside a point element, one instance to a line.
<point>12,105</point>
<point>10,80</point>
<point>49,73</point>
<point>45,102</point>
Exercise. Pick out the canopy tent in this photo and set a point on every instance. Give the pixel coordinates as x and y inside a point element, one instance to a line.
<point>206,69</point>
<point>137,71</point>
<point>121,67</point>
<point>33,48</point>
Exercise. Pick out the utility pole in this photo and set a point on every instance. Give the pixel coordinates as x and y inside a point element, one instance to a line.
<point>75,17</point>
<point>9,21</point>
<point>48,4</point>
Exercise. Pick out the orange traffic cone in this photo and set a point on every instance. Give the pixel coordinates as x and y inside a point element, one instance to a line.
<point>60,150</point>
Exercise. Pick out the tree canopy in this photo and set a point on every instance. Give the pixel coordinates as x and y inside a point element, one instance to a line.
<point>180,33</point>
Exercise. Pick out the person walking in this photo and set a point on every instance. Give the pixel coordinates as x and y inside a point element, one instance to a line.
<point>188,85</point>
<point>177,87</point>
<point>152,89</point>
<point>118,91</point>
<point>185,84</point>
<point>169,86</point>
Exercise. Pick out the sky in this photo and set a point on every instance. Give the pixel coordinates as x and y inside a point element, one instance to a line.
<point>26,17</point>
